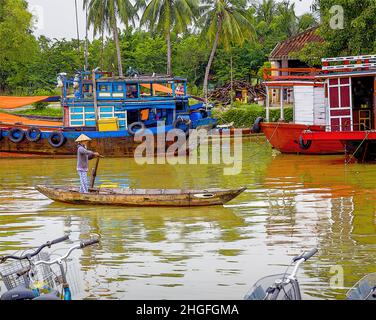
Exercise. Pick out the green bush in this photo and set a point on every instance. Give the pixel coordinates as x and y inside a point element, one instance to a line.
<point>40,106</point>
<point>245,116</point>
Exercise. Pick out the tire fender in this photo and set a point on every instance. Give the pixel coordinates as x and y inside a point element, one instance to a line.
<point>56,135</point>
<point>15,139</point>
<point>32,130</point>
<point>256,126</point>
<point>132,128</point>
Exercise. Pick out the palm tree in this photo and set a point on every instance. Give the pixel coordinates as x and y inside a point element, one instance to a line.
<point>288,19</point>
<point>227,22</point>
<point>103,16</point>
<point>265,11</point>
<point>166,16</point>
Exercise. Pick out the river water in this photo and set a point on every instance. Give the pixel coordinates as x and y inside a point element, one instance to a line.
<point>293,203</point>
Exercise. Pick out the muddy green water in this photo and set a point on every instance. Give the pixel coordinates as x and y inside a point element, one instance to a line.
<point>293,203</point>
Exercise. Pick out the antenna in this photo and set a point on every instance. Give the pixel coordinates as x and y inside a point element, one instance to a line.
<point>86,41</point>
<point>78,31</point>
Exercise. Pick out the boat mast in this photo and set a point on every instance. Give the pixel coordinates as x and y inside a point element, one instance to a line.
<point>86,41</point>
<point>78,31</point>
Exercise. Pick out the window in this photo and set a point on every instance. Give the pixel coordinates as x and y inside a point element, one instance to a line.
<point>118,91</point>
<point>132,91</point>
<point>146,90</point>
<point>82,116</point>
<point>162,89</point>
<point>114,112</point>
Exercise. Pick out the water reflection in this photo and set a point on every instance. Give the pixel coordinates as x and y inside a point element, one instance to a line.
<point>293,203</point>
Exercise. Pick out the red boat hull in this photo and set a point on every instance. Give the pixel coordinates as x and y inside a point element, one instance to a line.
<point>285,138</point>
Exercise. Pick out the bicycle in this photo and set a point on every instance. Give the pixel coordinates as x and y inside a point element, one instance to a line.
<point>35,276</point>
<point>364,289</point>
<point>280,286</point>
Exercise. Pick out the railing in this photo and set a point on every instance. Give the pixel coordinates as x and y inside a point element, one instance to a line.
<point>280,74</point>
<point>350,63</point>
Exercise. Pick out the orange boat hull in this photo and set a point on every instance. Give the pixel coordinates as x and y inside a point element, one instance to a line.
<point>285,138</point>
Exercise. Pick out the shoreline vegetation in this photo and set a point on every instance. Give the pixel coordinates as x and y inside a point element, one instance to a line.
<point>208,42</point>
<point>244,116</point>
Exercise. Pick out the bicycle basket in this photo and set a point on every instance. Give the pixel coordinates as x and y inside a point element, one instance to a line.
<point>54,280</point>
<point>8,271</point>
<point>364,289</point>
<point>260,289</point>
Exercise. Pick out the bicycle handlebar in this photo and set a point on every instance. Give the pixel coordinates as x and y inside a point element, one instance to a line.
<point>30,255</point>
<point>86,243</point>
<point>58,240</point>
<point>310,254</point>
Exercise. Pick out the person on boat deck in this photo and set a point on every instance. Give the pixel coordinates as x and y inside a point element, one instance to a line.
<point>83,157</point>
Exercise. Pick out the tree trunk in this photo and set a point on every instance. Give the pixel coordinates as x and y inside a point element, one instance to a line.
<point>117,42</point>
<point>211,58</point>
<point>102,50</point>
<point>169,68</point>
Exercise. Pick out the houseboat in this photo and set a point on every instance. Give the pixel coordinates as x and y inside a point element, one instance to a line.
<point>301,88</point>
<point>110,110</point>
<point>350,84</point>
<point>290,81</point>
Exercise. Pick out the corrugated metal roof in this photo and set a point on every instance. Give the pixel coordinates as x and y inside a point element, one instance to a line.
<point>294,44</point>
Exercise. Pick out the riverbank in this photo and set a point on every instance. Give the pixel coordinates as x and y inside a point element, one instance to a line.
<point>244,116</point>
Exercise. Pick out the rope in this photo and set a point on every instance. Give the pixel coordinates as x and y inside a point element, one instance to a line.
<point>357,149</point>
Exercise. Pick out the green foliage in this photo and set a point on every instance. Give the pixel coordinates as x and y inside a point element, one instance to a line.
<point>46,112</point>
<point>28,64</point>
<point>356,38</point>
<point>245,116</point>
<point>17,45</point>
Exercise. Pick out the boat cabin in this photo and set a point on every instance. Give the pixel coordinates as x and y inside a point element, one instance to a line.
<point>341,96</point>
<point>92,98</point>
<point>299,88</point>
<point>350,92</point>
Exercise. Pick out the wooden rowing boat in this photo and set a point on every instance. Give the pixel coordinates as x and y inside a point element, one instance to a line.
<point>141,197</point>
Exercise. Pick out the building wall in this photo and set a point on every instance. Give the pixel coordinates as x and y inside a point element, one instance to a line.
<point>304,104</point>
<point>319,102</point>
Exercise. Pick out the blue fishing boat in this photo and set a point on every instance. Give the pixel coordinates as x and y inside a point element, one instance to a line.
<point>111,111</point>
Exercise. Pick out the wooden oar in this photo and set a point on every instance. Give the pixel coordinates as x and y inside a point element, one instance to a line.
<point>94,173</point>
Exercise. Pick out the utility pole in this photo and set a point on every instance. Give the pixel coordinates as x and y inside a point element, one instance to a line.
<point>232,85</point>
<point>78,32</point>
<point>86,42</point>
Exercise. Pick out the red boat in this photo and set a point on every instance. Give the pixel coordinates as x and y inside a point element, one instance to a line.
<point>300,87</point>
<point>351,107</point>
<point>285,138</point>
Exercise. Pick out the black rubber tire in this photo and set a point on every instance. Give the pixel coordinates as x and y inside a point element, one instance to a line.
<point>61,139</point>
<point>13,131</point>
<point>181,120</point>
<point>256,126</point>
<point>32,130</point>
<point>304,145</point>
<point>1,134</point>
<point>132,128</point>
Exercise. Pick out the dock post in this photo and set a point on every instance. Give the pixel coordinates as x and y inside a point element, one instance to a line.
<point>95,99</point>
<point>267,105</point>
<point>282,111</point>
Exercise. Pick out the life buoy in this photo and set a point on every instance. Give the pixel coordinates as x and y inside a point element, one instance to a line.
<point>187,124</point>
<point>56,139</point>
<point>256,126</point>
<point>136,127</point>
<point>16,135</point>
<point>304,145</point>
<point>33,134</point>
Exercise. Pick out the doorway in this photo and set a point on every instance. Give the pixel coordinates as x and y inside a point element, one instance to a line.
<point>363,103</point>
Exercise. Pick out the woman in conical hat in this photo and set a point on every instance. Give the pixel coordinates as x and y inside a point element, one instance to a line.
<point>83,157</point>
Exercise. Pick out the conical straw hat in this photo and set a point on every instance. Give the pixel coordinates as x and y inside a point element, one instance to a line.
<point>83,137</point>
